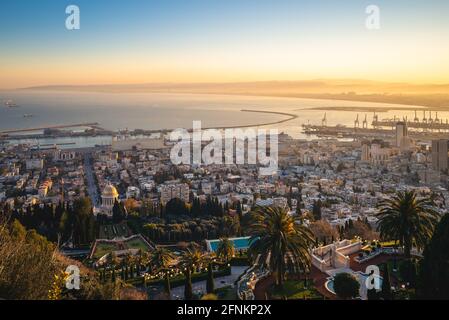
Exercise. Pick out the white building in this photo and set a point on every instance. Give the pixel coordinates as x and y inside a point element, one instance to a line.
<point>174,190</point>
<point>279,202</point>
<point>122,143</point>
<point>44,188</point>
<point>34,164</point>
<point>64,155</point>
<point>376,152</point>
<point>207,187</point>
<point>132,192</point>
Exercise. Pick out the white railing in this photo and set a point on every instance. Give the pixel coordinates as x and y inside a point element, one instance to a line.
<point>350,248</point>
<point>341,260</point>
<point>338,252</point>
<point>387,250</point>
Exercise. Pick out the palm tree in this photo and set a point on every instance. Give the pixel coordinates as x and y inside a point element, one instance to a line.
<point>281,241</point>
<point>230,225</point>
<point>225,249</point>
<point>191,260</point>
<point>407,219</point>
<point>160,260</point>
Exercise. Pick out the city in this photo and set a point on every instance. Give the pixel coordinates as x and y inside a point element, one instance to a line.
<point>224,159</point>
<point>116,208</point>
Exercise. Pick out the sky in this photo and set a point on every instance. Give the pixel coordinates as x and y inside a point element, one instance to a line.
<point>137,41</point>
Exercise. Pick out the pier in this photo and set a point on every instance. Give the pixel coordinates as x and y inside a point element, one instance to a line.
<point>92,125</point>
<point>425,128</point>
<point>429,126</point>
<point>425,124</point>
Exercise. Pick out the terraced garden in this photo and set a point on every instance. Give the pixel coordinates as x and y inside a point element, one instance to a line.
<point>103,247</point>
<point>114,230</point>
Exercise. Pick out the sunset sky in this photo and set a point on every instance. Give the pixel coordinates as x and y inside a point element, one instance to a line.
<point>221,41</point>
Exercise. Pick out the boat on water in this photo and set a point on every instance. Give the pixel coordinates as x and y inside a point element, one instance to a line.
<point>28,115</point>
<point>10,104</point>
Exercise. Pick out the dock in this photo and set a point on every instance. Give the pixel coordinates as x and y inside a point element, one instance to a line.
<point>426,128</point>
<point>93,125</point>
<point>426,123</point>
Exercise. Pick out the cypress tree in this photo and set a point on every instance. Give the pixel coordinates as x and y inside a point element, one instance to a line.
<point>433,282</point>
<point>316,211</point>
<point>188,295</point>
<point>210,285</point>
<point>167,286</point>
<point>117,215</point>
<point>386,284</point>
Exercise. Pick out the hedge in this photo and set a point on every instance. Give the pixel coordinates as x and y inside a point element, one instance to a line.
<point>240,261</point>
<point>180,280</point>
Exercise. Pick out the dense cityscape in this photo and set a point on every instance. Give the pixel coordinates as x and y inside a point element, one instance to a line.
<point>140,227</point>
<point>223,158</point>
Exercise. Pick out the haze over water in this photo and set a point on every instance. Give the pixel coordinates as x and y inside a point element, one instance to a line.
<point>150,111</point>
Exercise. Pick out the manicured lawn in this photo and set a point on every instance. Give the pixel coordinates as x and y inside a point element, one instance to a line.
<point>294,289</point>
<point>102,249</point>
<point>137,244</point>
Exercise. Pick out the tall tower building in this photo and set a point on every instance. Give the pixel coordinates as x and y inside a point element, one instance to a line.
<point>401,132</point>
<point>440,155</point>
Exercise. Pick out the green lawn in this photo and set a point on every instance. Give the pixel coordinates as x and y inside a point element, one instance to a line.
<point>136,244</point>
<point>102,249</point>
<point>294,290</point>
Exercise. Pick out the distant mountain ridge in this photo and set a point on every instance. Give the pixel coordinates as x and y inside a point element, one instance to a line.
<point>435,96</point>
<point>303,86</point>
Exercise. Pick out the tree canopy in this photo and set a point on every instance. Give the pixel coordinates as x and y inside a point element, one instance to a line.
<point>346,286</point>
<point>434,273</point>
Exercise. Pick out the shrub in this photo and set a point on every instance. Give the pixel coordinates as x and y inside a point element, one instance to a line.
<point>346,286</point>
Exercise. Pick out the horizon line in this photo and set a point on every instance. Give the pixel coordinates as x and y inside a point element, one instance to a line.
<point>305,81</point>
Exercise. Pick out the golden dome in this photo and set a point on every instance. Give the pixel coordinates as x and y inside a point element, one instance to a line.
<point>110,191</point>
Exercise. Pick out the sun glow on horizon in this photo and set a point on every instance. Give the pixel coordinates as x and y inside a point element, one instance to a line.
<point>232,42</point>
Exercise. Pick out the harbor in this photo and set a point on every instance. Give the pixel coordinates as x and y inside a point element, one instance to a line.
<point>93,130</point>
<point>424,128</point>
